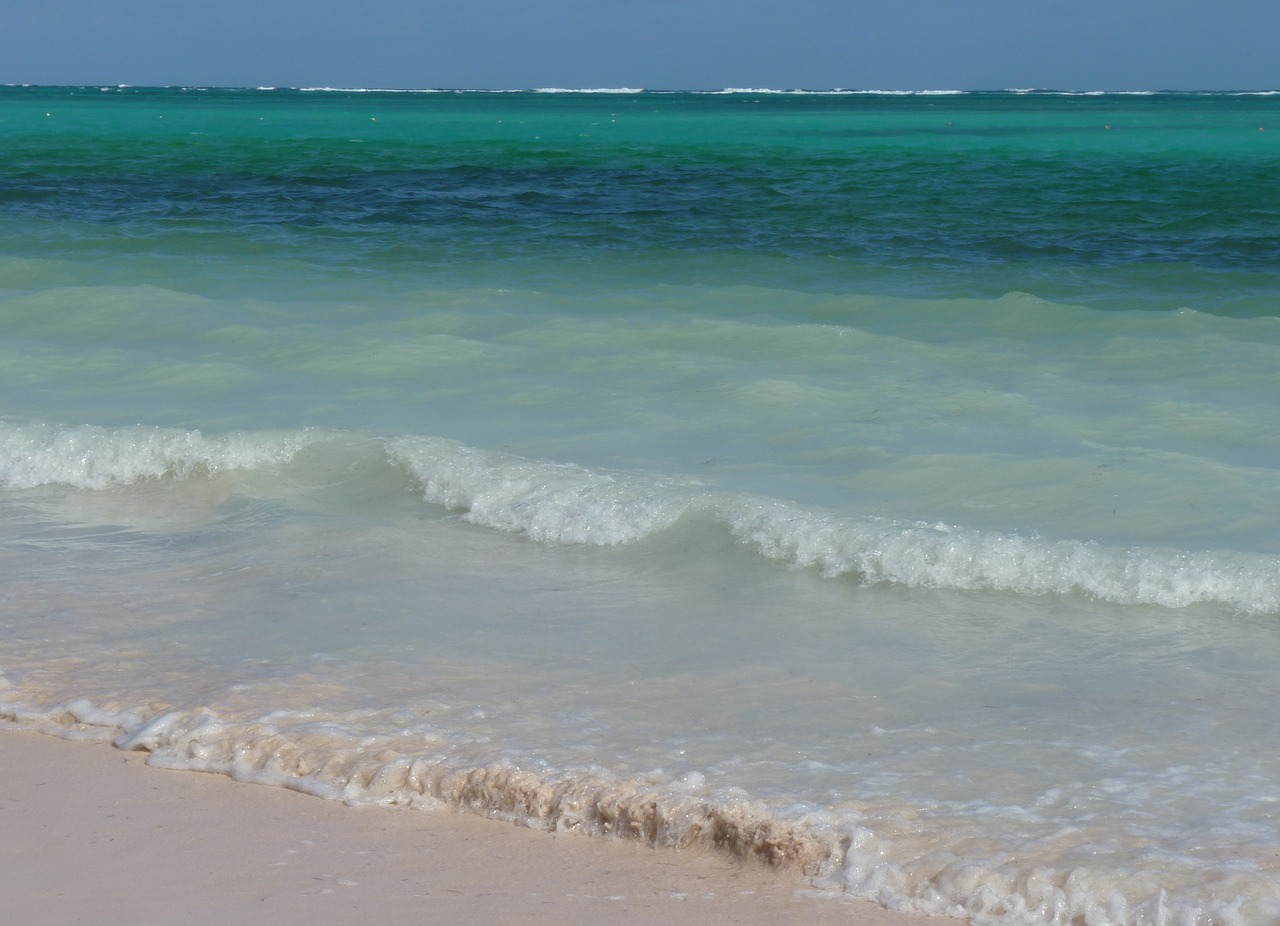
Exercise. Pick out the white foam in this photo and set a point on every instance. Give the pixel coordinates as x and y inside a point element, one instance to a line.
<point>364,90</point>
<point>731,90</point>
<point>569,504</point>
<point>325,761</point>
<point>622,90</point>
<point>943,556</point>
<point>543,500</point>
<point>565,503</point>
<point>88,457</point>
<point>836,91</point>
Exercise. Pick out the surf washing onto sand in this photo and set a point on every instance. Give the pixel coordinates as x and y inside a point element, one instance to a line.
<point>881,485</point>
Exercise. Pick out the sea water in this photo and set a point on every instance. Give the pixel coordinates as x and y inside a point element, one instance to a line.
<point>882,485</point>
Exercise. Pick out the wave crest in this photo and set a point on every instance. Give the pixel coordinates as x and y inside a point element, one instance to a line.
<point>545,501</point>
<point>943,556</point>
<point>566,503</point>
<point>89,457</point>
<point>570,504</point>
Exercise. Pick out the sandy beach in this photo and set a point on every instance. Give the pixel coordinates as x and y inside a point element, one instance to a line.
<point>91,835</point>
<point>879,483</point>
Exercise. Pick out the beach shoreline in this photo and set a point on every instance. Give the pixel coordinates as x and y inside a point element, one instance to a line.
<point>880,485</point>
<point>93,835</point>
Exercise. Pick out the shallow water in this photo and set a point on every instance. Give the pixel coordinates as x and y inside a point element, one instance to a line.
<point>884,485</point>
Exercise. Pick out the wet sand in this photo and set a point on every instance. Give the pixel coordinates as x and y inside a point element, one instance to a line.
<point>91,835</point>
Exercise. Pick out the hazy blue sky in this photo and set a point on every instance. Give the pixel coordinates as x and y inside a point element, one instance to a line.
<point>657,44</point>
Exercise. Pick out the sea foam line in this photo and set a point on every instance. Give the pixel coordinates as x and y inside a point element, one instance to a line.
<point>839,852</point>
<point>89,457</point>
<point>323,760</point>
<point>563,503</point>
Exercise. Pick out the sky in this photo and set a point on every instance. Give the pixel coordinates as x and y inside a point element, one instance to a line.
<point>651,44</point>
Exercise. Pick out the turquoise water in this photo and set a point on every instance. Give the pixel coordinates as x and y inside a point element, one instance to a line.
<point>885,484</point>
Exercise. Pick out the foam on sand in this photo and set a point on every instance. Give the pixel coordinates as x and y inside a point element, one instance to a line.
<point>145,847</point>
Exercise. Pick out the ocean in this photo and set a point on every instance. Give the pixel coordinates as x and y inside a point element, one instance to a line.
<point>881,485</point>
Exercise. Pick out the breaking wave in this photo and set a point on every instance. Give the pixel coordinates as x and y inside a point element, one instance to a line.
<point>565,503</point>
<point>570,504</point>
<point>90,457</point>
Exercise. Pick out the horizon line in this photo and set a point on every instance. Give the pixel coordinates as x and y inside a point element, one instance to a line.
<point>635,91</point>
